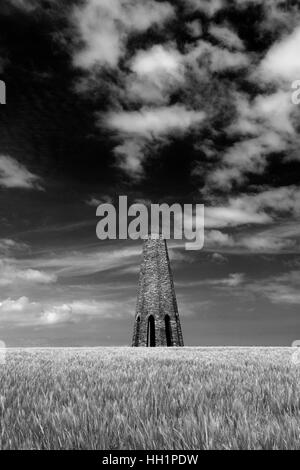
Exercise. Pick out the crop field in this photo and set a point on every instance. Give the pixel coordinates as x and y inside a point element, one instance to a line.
<point>150,398</point>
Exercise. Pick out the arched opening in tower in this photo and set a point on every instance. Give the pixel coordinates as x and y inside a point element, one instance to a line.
<point>168,331</point>
<point>137,331</point>
<point>151,331</point>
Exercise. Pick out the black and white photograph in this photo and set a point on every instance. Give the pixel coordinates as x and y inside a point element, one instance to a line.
<point>149,227</point>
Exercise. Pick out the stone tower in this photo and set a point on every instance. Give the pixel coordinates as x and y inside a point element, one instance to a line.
<point>157,321</point>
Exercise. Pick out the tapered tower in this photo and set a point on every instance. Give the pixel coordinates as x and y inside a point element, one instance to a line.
<point>157,321</point>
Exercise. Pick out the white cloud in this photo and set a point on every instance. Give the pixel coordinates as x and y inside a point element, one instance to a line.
<point>285,199</point>
<point>141,15</point>
<point>254,153</point>
<point>281,200</point>
<point>79,309</point>
<point>95,202</point>
<point>155,121</point>
<point>275,110</point>
<point>11,274</point>
<point>280,289</point>
<point>235,214</point>
<point>194,28</point>
<point>265,244</point>
<point>233,280</point>
<point>208,7</point>
<point>15,175</point>
<point>264,126</point>
<point>285,229</point>
<point>284,294</point>
<point>57,314</point>
<point>157,72</point>
<point>22,311</point>
<point>35,276</point>
<point>261,242</point>
<point>243,158</point>
<point>218,258</point>
<point>267,222</point>
<point>97,27</point>
<point>139,129</point>
<point>148,92</point>
<point>131,154</point>
<point>280,237</point>
<point>283,60</point>
<point>103,27</point>
<point>179,255</point>
<point>216,238</point>
<point>262,208</point>
<point>271,207</point>
<point>7,245</point>
<point>226,36</point>
<point>134,269</point>
<point>139,94</point>
<point>216,59</point>
<point>10,305</point>
<point>27,5</point>
<point>156,61</point>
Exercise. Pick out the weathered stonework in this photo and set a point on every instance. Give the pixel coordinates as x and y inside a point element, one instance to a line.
<point>157,320</point>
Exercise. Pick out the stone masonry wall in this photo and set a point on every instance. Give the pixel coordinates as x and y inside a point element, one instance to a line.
<point>156,296</point>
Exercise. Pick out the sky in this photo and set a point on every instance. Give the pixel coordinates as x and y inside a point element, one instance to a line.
<point>186,101</point>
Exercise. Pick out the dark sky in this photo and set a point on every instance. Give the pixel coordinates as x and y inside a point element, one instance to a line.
<point>186,101</point>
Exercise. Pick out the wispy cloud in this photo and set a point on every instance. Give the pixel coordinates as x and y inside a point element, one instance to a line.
<point>26,5</point>
<point>279,289</point>
<point>95,201</point>
<point>261,241</point>
<point>84,262</point>
<point>233,280</point>
<point>217,59</point>
<point>7,245</point>
<point>226,36</point>
<point>23,312</point>
<point>14,174</point>
<point>269,221</point>
<point>257,208</point>
<point>74,311</point>
<point>12,274</point>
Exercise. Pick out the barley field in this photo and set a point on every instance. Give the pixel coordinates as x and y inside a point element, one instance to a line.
<point>150,398</point>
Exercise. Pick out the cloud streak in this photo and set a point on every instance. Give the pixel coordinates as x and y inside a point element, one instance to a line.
<point>11,274</point>
<point>24,312</point>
